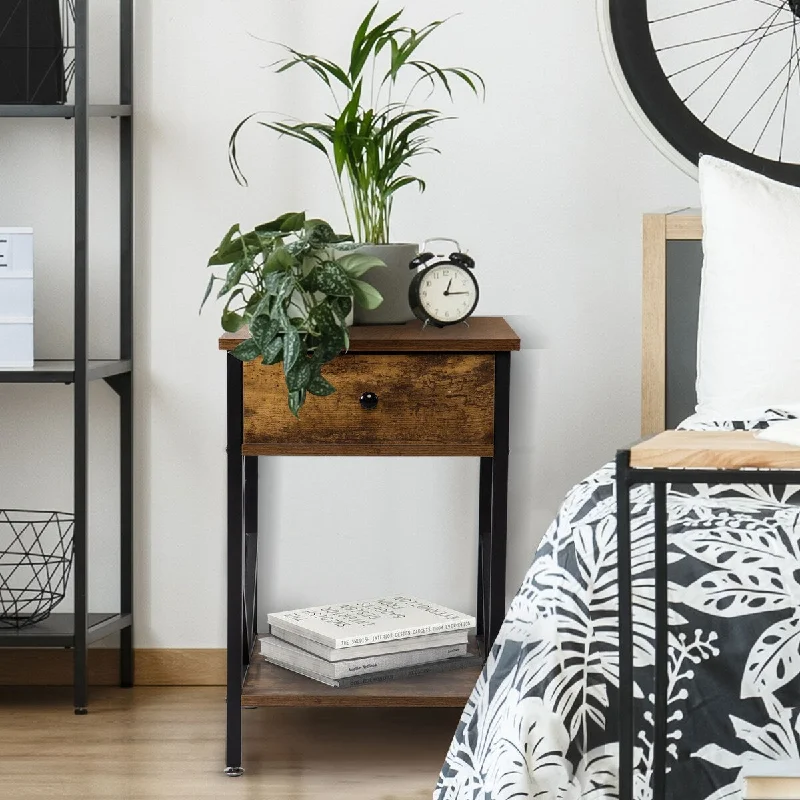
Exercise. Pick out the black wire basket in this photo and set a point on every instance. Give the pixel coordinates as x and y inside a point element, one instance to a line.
<point>35,562</point>
<point>37,51</point>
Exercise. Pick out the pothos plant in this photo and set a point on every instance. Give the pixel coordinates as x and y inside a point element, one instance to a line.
<point>376,131</point>
<point>294,283</point>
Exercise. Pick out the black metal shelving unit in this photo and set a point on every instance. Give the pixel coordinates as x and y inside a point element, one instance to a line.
<point>80,628</point>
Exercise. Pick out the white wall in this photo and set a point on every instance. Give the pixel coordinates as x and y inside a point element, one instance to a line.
<point>545,183</point>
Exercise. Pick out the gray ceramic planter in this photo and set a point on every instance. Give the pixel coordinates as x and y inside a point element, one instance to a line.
<point>392,281</point>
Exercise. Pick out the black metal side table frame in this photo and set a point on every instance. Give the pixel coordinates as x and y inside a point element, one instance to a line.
<point>242,545</point>
<point>627,477</point>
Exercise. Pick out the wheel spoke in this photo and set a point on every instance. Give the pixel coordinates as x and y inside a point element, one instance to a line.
<point>723,63</point>
<point>736,74</point>
<point>772,113</point>
<point>786,89</point>
<point>773,5</point>
<point>758,99</point>
<point>692,11</point>
<point>798,66</point>
<point>784,26</point>
<point>751,31</point>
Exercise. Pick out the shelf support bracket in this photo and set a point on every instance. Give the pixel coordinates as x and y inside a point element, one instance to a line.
<point>117,383</point>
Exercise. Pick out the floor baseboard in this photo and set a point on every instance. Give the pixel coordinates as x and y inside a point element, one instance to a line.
<point>154,667</point>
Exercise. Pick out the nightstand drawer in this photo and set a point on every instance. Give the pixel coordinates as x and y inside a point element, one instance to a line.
<point>427,404</point>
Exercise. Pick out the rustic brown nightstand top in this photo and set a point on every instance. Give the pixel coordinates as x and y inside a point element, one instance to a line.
<point>713,450</point>
<point>483,335</point>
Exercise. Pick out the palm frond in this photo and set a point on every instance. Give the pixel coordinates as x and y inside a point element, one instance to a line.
<point>370,143</point>
<point>403,52</point>
<point>295,132</point>
<point>322,68</point>
<point>365,41</point>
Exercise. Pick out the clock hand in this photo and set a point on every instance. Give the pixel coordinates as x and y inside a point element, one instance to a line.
<point>447,290</point>
<point>450,294</point>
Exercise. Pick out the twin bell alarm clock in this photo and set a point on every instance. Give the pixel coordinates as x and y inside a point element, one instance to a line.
<point>444,290</point>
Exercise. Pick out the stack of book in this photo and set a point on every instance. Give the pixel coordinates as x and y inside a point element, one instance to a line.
<point>354,643</point>
<point>771,780</point>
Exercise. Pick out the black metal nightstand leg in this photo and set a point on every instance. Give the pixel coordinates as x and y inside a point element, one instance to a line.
<point>494,551</point>
<point>625,627</point>
<point>250,554</point>
<point>236,664</point>
<point>484,527</point>
<point>661,652</point>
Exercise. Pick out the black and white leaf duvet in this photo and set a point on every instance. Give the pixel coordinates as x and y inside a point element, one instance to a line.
<point>541,721</point>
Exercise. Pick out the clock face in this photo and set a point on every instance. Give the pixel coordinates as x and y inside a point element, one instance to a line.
<point>448,293</point>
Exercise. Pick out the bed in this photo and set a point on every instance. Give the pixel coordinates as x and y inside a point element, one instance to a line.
<point>541,720</point>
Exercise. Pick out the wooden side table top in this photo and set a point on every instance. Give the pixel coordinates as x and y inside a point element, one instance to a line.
<point>713,450</point>
<point>481,335</point>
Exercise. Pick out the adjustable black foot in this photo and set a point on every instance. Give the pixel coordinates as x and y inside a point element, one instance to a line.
<point>81,712</point>
<point>234,772</point>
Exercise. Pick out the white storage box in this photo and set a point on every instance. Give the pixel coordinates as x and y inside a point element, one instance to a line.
<point>16,344</point>
<point>16,298</point>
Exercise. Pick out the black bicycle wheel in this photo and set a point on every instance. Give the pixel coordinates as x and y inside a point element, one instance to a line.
<point>717,77</point>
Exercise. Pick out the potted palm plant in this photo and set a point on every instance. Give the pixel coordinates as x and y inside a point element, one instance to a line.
<point>371,138</point>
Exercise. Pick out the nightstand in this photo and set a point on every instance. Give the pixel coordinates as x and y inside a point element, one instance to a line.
<point>401,390</point>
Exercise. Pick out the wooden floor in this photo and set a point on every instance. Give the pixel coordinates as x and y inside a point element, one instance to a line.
<point>147,743</point>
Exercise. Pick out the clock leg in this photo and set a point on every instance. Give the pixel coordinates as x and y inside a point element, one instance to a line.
<point>495,550</point>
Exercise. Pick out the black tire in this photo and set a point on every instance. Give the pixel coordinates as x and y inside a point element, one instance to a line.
<point>658,101</point>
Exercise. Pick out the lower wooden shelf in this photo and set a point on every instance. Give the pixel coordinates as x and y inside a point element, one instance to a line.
<point>269,685</point>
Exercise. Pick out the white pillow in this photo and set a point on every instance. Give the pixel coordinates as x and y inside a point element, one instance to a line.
<point>748,342</point>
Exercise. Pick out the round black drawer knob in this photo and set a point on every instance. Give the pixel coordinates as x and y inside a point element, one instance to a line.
<point>368,400</point>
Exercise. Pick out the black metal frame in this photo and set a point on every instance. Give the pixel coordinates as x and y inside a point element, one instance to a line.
<point>242,589</point>
<point>627,477</point>
<point>79,629</point>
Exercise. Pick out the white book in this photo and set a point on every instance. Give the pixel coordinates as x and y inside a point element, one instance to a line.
<point>771,780</point>
<point>400,673</point>
<point>353,624</point>
<point>377,649</point>
<point>287,655</point>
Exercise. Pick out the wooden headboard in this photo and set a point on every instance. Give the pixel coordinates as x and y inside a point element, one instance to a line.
<point>672,257</point>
